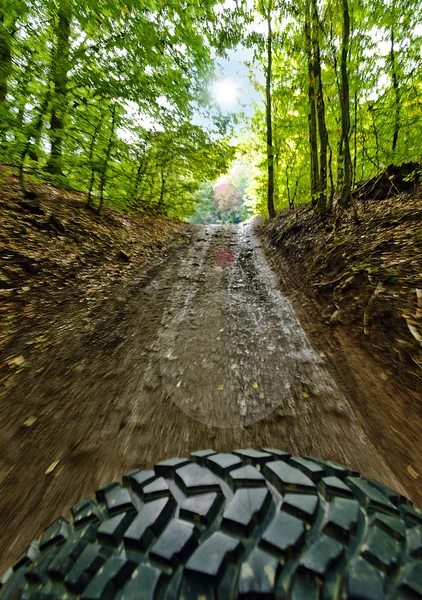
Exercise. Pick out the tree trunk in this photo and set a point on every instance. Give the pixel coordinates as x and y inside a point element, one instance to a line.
<point>330,171</point>
<point>270,150</point>
<point>34,148</point>
<point>395,82</point>
<point>340,162</point>
<point>60,70</point>
<point>91,160</point>
<point>140,172</point>
<point>103,172</point>
<point>312,118</point>
<point>355,143</point>
<point>162,191</point>
<point>6,36</point>
<point>346,193</point>
<point>288,187</point>
<point>377,145</point>
<point>320,105</point>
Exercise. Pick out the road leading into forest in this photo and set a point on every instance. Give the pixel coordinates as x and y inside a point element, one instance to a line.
<point>205,353</point>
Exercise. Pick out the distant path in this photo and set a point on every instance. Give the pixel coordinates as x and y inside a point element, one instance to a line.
<point>206,353</point>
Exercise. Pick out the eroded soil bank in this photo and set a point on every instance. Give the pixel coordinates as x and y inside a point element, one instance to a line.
<point>205,351</point>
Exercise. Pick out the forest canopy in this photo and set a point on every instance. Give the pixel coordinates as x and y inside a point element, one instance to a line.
<point>343,89</point>
<point>103,95</point>
<point>112,97</point>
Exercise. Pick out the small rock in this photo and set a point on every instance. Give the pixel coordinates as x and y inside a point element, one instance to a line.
<point>32,206</point>
<point>334,320</point>
<point>123,256</point>
<point>338,409</point>
<point>55,223</point>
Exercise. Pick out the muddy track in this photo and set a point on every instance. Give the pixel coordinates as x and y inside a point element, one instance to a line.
<point>205,353</point>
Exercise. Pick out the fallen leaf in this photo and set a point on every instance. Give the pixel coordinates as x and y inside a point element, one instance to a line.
<point>52,467</point>
<point>220,387</point>
<point>418,314</point>
<point>17,360</point>
<point>305,395</point>
<point>394,429</point>
<point>255,385</point>
<point>412,472</point>
<point>30,421</point>
<point>172,357</point>
<point>59,471</point>
<point>26,288</point>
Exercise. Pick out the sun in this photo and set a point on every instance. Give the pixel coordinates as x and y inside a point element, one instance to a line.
<point>225,92</point>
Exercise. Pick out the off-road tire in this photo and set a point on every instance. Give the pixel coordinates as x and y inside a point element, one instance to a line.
<point>243,525</point>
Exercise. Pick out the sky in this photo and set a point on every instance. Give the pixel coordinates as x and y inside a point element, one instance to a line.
<point>235,74</point>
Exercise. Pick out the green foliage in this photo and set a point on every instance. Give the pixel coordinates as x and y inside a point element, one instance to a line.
<point>385,78</point>
<point>101,95</point>
<point>228,202</point>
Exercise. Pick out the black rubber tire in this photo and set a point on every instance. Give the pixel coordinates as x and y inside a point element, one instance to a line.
<point>244,525</point>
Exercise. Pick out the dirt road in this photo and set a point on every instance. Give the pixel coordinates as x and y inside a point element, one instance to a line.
<point>206,352</point>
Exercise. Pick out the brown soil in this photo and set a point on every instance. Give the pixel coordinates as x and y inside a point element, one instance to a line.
<point>366,279</point>
<point>60,262</point>
<point>354,288</point>
<point>200,352</point>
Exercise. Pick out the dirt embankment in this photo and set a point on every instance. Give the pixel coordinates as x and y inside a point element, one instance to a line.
<point>206,352</point>
<point>366,278</point>
<point>59,262</point>
<point>357,291</point>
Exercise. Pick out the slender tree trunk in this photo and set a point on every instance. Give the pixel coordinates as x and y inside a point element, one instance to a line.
<point>295,192</point>
<point>395,82</point>
<point>320,105</point>
<point>33,151</point>
<point>330,170</point>
<point>6,37</point>
<point>288,187</point>
<point>91,161</point>
<point>312,118</point>
<point>26,150</point>
<point>139,174</point>
<point>103,173</point>
<point>340,163</point>
<point>162,191</point>
<point>270,150</point>
<point>346,193</point>
<point>143,183</point>
<point>377,151</point>
<point>362,135</point>
<point>60,70</point>
<point>355,147</point>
